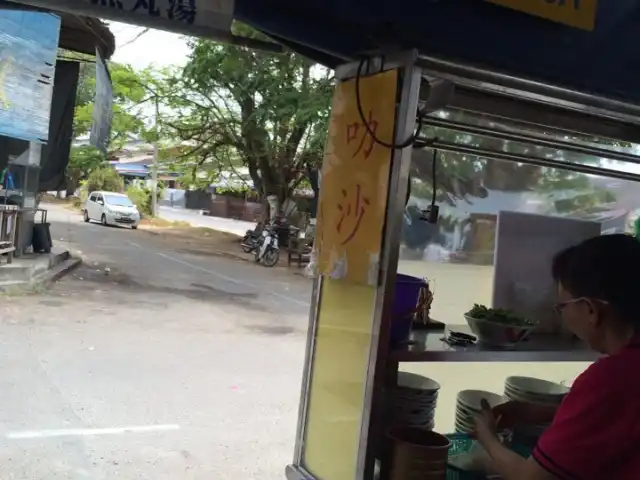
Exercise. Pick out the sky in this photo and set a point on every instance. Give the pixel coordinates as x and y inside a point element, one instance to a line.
<point>155,47</point>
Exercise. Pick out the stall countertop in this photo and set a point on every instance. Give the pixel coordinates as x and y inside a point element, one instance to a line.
<point>429,347</point>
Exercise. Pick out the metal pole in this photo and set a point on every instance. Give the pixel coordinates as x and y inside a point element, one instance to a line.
<point>154,170</point>
<point>532,138</point>
<point>506,84</point>
<point>529,160</point>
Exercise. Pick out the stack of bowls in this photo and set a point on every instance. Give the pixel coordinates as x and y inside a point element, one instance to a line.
<point>414,401</point>
<point>468,406</point>
<point>537,391</point>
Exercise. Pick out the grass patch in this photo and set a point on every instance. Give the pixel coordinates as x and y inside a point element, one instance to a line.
<point>36,288</point>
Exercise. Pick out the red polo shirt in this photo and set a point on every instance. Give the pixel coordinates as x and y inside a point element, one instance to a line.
<point>595,434</point>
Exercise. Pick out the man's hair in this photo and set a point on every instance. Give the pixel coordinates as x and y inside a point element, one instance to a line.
<point>603,268</point>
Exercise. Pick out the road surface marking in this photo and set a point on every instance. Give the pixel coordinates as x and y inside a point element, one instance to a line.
<point>232,280</point>
<point>133,244</point>
<point>85,432</point>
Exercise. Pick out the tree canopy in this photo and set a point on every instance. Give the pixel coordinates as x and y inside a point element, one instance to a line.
<point>243,108</point>
<point>264,117</point>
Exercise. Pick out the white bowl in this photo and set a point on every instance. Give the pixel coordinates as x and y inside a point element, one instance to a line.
<point>464,427</point>
<point>498,334</point>
<point>417,382</point>
<point>536,386</point>
<point>471,399</point>
<point>531,398</point>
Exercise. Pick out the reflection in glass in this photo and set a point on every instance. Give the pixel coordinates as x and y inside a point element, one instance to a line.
<point>529,148</point>
<point>457,252</point>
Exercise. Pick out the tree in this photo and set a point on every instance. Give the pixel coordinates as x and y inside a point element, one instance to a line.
<point>83,159</point>
<point>128,106</point>
<point>135,96</point>
<point>243,108</point>
<point>462,177</point>
<point>106,179</point>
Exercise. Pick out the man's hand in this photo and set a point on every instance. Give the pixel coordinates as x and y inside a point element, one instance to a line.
<point>487,425</point>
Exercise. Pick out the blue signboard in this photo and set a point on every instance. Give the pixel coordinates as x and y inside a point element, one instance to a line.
<point>28,47</point>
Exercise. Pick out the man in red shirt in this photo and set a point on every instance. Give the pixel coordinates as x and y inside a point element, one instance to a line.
<point>595,433</point>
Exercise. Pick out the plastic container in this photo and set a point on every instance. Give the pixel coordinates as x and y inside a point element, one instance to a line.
<point>418,454</point>
<point>407,293</point>
<point>462,443</point>
<point>405,304</point>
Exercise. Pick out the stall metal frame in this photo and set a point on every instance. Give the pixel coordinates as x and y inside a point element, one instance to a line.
<point>526,106</point>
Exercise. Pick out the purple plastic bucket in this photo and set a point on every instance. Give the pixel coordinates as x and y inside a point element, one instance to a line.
<point>405,302</point>
<point>407,293</point>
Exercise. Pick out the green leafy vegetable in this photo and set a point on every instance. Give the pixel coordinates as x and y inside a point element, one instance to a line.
<point>498,315</point>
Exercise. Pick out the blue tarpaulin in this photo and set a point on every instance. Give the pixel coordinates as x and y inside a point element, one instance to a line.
<point>28,47</point>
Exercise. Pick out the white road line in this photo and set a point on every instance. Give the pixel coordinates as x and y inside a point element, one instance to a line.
<point>85,432</point>
<point>204,270</point>
<point>133,244</point>
<point>231,279</point>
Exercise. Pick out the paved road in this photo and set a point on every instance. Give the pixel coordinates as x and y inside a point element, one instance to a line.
<point>172,366</point>
<point>237,227</point>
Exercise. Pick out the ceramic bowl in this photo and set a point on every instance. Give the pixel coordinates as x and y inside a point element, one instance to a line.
<point>529,386</point>
<point>471,399</point>
<point>498,334</point>
<point>417,382</point>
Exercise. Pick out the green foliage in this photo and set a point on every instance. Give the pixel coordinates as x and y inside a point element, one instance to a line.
<point>83,195</point>
<point>84,159</point>
<point>105,178</point>
<point>142,197</point>
<point>243,108</point>
<point>460,176</point>
<point>135,96</point>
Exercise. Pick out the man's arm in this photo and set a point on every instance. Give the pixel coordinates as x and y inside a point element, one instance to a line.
<point>511,466</point>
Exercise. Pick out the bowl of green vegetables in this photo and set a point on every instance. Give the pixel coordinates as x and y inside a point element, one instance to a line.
<point>498,327</point>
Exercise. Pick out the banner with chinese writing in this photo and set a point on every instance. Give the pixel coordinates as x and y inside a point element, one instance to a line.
<point>198,18</point>
<point>355,178</point>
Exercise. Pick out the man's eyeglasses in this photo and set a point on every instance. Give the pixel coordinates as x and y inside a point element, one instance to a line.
<point>559,307</point>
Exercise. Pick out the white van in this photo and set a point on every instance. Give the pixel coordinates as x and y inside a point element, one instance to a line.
<point>110,208</point>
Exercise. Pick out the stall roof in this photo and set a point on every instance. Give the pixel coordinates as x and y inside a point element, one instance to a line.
<point>603,62</point>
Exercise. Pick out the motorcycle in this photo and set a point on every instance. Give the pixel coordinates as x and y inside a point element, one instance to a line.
<point>251,239</point>
<point>267,248</point>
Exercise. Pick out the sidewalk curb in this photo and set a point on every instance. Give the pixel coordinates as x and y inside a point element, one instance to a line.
<point>44,279</point>
<point>57,272</point>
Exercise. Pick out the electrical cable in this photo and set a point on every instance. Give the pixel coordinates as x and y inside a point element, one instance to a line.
<point>408,142</point>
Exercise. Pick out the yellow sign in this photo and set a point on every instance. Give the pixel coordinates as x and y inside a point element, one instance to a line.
<point>336,397</point>
<point>576,13</point>
<point>355,182</point>
<point>355,175</point>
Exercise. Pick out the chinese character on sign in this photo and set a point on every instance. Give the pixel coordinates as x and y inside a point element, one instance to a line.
<point>117,4</point>
<point>351,210</point>
<point>358,131</point>
<point>182,10</point>
<point>148,5</point>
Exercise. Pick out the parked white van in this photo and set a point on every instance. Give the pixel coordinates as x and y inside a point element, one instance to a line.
<point>110,208</point>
